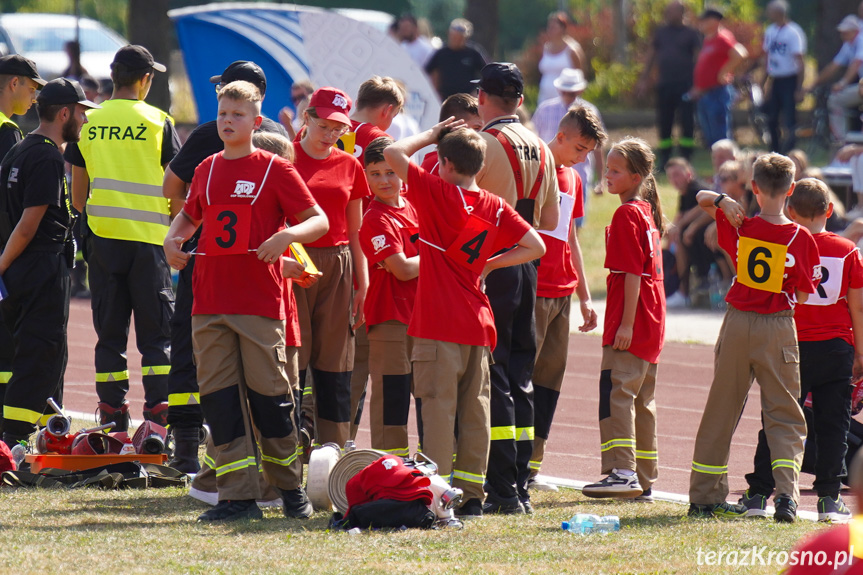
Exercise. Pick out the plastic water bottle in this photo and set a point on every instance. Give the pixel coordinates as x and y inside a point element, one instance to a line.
<point>350,445</point>
<point>585,523</point>
<point>714,281</point>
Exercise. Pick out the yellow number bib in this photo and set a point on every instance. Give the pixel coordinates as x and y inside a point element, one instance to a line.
<point>347,142</point>
<point>760,264</point>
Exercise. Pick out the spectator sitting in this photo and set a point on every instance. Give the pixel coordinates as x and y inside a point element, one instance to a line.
<point>732,178</point>
<point>682,177</point>
<point>720,152</point>
<point>845,92</point>
<point>453,66</point>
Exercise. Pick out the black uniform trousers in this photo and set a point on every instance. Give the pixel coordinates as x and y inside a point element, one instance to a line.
<point>129,277</point>
<point>512,294</point>
<point>184,399</point>
<point>825,370</point>
<point>781,103</point>
<point>670,105</point>
<point>36,312</point>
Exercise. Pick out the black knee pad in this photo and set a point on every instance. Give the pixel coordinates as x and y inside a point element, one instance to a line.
<point>273,415</point>
<point>222,412</point>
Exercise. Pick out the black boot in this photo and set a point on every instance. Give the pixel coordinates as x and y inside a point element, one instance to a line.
<point>118,415</point>
<point>186,441</point>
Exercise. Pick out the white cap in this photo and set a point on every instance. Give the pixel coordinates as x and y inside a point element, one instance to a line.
<point>849,23</point>
<point>570,80</point>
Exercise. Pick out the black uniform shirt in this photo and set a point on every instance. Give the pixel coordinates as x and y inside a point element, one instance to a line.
<point>35,176</point>
<point>675,48</point>
<point>10,134</point>
<point>203,142</point>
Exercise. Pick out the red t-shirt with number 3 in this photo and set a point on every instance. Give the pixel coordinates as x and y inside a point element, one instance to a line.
<point>241,213</point>
<point>450,305</point>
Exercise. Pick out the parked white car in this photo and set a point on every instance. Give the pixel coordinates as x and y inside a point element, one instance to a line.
<point>42,38</point>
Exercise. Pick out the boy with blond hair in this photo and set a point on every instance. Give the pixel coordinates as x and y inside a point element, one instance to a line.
<point>246,346</point>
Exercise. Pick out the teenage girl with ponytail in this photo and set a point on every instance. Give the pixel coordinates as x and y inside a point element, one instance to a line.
<point>634,326</point>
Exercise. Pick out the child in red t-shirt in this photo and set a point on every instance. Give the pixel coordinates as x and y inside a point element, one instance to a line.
<point>461,107</point>
<point>331,309</point>
<point>634,326</point>
<point>560,274</point>
<point>460,227</point>
<point>245,368</point>
<point>388,237</point>
<point>777,266</point>
<point>379,100</point>
<point>826,325</point>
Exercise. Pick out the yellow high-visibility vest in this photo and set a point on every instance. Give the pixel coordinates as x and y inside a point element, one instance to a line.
<point>122,146</point>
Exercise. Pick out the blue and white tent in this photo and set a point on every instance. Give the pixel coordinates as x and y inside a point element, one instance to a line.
<point>292,43</point>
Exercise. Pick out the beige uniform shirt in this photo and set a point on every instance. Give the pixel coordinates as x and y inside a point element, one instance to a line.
<point>497,175</point>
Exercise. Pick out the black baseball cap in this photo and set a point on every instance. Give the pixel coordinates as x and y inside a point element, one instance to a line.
<point>63,91</point>
<point>18,65</point>
<point>137,57</point>
<point>243,70</point>
<point>710,13</point>
<point>501,79</point>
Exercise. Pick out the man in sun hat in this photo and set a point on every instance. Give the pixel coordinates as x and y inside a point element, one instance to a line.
<point>570,86</point>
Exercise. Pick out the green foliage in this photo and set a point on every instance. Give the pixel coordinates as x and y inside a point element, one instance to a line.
<point>613,81</point>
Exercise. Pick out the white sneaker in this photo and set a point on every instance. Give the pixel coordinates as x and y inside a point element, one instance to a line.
<point>677,301</point>
<point>540,484</point>
<point>212,498</point>
<point>208,497</point>
<point>615,485</point>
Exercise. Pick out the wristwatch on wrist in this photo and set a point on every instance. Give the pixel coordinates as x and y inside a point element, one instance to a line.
<point>719,199</point>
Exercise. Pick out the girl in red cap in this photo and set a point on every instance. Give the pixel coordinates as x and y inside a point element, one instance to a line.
<point>329,311</point>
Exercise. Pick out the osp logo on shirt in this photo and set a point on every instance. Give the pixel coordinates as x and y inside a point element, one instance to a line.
<point>379,243</point>
<point>244,189</point>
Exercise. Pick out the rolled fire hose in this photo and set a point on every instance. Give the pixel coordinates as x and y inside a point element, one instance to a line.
<point>349,465</point>
<point>321,463</point>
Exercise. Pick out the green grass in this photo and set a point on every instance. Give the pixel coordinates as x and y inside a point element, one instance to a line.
<point>154,531</point>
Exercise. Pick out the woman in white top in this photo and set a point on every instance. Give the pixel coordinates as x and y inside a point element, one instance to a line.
<point>559,52</point>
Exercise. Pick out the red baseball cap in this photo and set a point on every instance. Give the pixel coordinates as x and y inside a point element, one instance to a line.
<point>331,104</point>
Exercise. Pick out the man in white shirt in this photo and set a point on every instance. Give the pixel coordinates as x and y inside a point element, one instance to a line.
<point>845,92</point>
<point>784,47</point>
<point>417,46</point>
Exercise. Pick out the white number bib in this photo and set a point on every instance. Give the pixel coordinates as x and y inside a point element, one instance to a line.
<point>561,232</point>
<point>830,287</point>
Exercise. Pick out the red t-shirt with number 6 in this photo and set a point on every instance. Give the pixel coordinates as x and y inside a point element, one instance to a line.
<point>450,304</point>
<point>241,210</point>
<point>770,260</point>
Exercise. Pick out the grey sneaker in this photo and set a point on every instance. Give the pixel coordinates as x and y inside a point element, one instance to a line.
<point>724,509</point>
<point>540,484</point>
<point>755,503</point>
<point>615,485</point>
<point>833,510</point>
<point>645,497</point>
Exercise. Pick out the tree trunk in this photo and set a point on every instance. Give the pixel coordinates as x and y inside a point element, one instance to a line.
<point>830,13</point>
<point>620,33</point>
<point>150,27</point>
<point>484,16</point>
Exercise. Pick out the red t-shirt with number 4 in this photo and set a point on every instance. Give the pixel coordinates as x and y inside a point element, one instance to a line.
<point>632,246</point>
<point>333,182</point>
<point>240,210</point>
<point>770,260</point>
<point>825,314</point>
<point>450,304</point>
<point>556,276</point>
<point>387,231</point>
